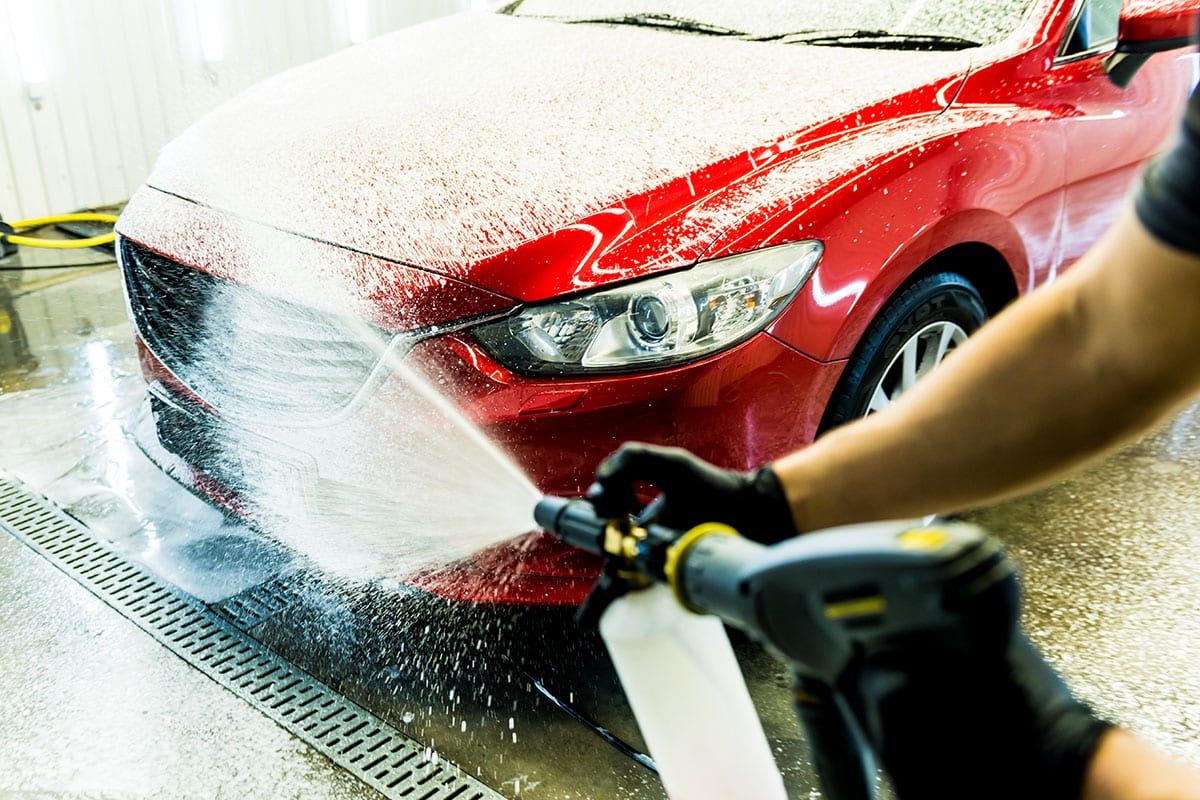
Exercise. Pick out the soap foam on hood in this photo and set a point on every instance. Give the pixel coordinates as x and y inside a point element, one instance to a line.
<point>457,139</point>
<point>772,191</point>
<point>985,21</point>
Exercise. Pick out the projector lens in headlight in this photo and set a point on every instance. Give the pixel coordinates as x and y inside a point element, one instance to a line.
<point>656,322</point>
<point>650,319</point>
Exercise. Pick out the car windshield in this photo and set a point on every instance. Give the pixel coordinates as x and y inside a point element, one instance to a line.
<point>975,21</point>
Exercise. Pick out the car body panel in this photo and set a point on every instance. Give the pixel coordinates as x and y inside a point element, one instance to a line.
<point>1110,133</point>
<point>456,172</point>
<point>643,152</point>
<point>1036,171</point>
<point>298,268</point>
<point>769,398</point>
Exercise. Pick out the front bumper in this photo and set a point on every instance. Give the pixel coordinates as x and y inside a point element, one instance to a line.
<point>737,409</point>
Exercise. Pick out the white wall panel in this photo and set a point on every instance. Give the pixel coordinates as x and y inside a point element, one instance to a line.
<point>125,76</point>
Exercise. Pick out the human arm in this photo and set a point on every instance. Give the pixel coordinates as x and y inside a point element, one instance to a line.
<point>1126,768</point>
<point>996,723</point>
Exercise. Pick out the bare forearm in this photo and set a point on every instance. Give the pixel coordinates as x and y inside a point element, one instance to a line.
<point>1125,768</point>
<point>1048,384</point>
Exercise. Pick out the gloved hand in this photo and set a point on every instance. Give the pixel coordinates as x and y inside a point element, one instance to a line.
<point>693,492</point>
<point>981,724</point>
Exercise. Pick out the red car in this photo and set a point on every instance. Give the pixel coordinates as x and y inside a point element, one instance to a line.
<point>726,227</point>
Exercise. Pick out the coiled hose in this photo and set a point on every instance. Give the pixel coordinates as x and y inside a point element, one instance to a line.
<point>59,244</point>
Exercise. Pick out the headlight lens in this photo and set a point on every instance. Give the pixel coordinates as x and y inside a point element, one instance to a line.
<point>655,322</point>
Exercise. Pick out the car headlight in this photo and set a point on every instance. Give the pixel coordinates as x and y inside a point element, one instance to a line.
<point>655,322</point>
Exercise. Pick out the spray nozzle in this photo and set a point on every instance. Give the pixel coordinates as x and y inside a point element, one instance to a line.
<point>639,549</point>
<point>635,553</point>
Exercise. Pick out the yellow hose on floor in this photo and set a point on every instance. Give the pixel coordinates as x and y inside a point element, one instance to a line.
<point>61,244</point>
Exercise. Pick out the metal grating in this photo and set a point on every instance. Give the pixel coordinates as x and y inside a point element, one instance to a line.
<point>349,735</point>
<point>259,603</point>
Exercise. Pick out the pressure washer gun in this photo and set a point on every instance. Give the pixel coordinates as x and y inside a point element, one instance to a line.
<point>819,602</point>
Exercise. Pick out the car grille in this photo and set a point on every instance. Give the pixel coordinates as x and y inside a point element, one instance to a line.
<point>198,440</point>
<point>250,356</point>
<point>239,462</point>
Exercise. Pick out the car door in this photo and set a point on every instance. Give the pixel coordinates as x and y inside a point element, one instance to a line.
<point>1109,131</point>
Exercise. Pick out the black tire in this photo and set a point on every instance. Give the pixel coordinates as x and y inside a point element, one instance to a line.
<point>941,297</point>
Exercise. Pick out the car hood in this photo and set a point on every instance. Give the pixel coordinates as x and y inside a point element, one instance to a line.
<point>445,144</point>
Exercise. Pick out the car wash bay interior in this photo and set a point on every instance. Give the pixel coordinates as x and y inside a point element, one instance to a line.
<point>153,645</point>
<point>147,638</point>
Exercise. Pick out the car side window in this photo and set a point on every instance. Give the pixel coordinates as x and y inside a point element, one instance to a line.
<point>1095,25</point>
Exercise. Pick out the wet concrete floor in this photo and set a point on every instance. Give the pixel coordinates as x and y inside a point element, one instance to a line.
<point>96,707</point>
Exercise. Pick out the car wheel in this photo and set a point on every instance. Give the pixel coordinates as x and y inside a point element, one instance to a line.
<point>913,334</point>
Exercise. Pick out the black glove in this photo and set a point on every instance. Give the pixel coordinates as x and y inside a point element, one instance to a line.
<point>996,725</point>
<point>693,492</point>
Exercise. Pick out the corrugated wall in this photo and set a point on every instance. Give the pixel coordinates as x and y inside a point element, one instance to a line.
<point>91,89</point>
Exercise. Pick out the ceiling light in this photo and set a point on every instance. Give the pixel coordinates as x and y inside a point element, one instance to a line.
<point>27,34</point>
<point>212,34</point>
<point>358,21</point>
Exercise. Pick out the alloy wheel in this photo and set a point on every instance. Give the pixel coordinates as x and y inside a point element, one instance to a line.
<point>923,351</point>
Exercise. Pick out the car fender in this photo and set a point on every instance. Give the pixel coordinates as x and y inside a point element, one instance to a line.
<point>856,292</point>
<point>895,197</point>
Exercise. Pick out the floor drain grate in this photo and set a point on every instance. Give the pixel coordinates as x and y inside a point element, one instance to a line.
<point>259,603</point>
<point>349,735</point>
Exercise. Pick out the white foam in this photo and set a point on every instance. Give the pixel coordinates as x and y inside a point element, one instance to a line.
<point>460,138</point>
<point>791,181</point>
<point>986,21</point>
